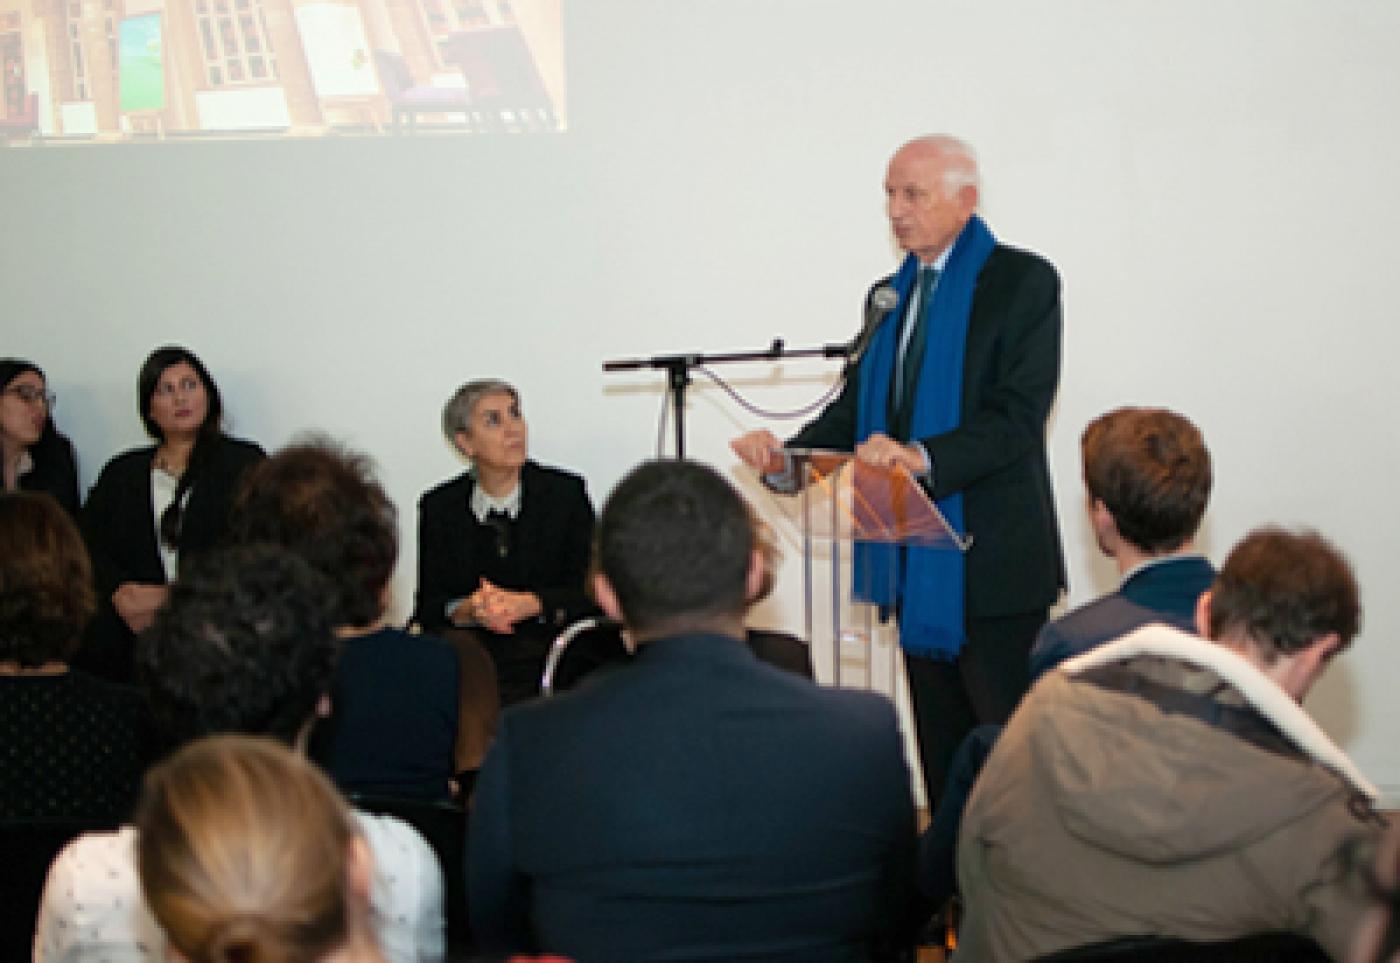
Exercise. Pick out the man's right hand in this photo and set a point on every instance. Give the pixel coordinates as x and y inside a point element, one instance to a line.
<point>760,450</point>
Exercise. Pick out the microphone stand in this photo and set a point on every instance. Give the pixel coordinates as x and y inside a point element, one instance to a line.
<point>678,366</point>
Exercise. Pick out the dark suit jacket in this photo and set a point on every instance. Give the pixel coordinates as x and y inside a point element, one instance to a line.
<point>119,527</point>
<point>996,456</point>
<point>553,539</point>
<point>695,803</point>
<point>1165,591</point>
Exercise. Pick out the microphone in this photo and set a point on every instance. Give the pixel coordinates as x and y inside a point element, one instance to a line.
<point>882,301</point>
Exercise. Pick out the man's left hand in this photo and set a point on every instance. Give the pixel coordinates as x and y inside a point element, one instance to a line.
<point>882,451</point>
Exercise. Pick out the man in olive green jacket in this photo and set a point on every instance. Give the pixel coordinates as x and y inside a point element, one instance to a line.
<point>1169,786</point>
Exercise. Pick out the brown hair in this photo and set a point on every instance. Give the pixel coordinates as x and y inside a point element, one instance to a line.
<point>1285,590</point>
<point>321,501</point>
<point>1151,469</point>
<point>243,849</point>
<point>46,593</point>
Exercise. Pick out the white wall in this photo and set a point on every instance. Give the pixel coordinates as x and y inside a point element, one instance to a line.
<point>1214,181</point>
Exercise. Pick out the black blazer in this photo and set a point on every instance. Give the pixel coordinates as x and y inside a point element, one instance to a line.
<point>119,526</point>
<point>551,549</point>
<point>996,456</point>
<point>55,471</point>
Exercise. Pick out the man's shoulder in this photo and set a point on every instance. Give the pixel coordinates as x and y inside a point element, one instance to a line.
<point>1091,624</point>
<point>1005,257</point>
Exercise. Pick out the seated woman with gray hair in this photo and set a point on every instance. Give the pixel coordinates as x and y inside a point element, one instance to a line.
<point>504,548</point>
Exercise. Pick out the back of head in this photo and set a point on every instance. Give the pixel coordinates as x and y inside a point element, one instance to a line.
<point>1151,469</point>
<point>675,542</point>
<point>45,581</point>
<point>1283,591</point>
<point>243,848</point>
<point>244,644</point>
<point>322,502</point>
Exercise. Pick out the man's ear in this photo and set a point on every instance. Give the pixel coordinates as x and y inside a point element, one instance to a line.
<point>967,198</point>
<point>757,577</point>
<point>1203,615</point>
<point>606,598</point>
<point>1306,666</point>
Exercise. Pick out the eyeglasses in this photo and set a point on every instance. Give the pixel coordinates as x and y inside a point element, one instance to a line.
<point>30,394</point>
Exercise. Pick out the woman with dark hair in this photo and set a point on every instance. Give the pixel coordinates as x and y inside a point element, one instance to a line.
<point>36,456</point>
<point>74,746</point>
<point>153,505</point>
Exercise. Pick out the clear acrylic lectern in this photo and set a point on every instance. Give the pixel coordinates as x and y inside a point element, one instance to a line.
<point>845,502</point>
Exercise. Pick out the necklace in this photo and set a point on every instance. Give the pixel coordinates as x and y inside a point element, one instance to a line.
<point>168,465</point>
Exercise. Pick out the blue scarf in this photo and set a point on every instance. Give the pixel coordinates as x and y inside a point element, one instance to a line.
<point>931,616</point>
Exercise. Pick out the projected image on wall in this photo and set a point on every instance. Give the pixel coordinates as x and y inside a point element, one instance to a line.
<point>127,70</point>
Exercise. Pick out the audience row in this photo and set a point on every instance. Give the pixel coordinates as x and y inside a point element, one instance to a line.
<point>1159,790</point>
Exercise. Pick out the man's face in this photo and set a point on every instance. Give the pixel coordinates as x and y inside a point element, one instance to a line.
<point>924,219</point>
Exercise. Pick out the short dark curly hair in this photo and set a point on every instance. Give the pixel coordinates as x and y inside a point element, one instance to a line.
<point>246,643</point>
<point>322,501</point>
<point>46,595</point>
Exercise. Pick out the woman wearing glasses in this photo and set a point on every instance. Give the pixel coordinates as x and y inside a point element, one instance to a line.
<point>151,506</point>
<point>36,456</point>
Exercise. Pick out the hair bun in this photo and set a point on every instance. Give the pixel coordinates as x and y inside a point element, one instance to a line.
<point>244,939</point>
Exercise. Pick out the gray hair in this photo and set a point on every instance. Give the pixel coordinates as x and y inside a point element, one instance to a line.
<point>457,413</point>
<point>959,161</point>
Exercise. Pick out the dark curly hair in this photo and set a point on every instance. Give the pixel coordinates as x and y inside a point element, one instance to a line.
<point>246,643</point>
<point>322,501</point>
<point>46,595</point>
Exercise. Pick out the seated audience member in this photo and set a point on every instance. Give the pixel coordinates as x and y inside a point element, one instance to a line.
<point>695,803</point>
<point>1167,786</point>
<point>74,746</point>
<point>503,549</point>
<point>244,645</point>
<point>393,723</point>
<point>247,853</point>
<point>154,507</point>
<point>37,458</point>
<point>1148,476</point>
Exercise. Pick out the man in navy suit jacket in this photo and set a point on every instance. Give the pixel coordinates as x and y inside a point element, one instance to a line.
<point>694,803</point>
<point>1148,475</point>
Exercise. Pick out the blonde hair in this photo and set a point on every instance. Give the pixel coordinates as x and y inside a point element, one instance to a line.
<point>243,852</point>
